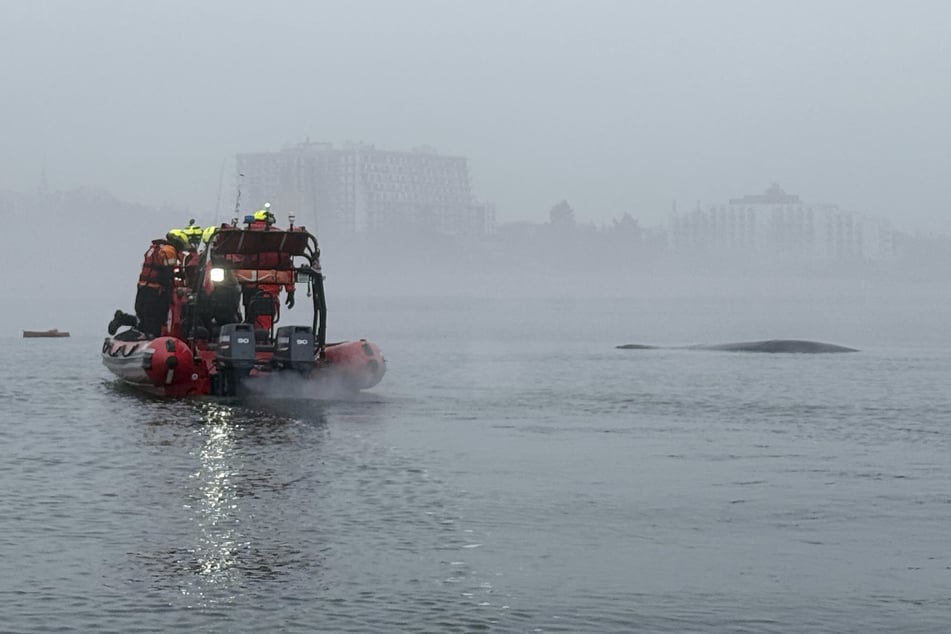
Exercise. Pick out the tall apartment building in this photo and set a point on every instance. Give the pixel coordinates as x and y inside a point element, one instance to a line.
<point>775,224</point>
<point>359,188</point>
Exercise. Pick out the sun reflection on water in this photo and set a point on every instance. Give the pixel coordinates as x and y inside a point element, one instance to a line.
<point>216,515</point>
<point>228,510</point>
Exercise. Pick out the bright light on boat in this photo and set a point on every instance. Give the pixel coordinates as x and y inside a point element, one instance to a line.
<point>217,275</point>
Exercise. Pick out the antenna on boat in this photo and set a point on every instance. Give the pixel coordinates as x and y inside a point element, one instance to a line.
<point>221,178</point>
<point>237,198</point>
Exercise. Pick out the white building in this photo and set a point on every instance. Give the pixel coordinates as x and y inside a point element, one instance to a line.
<point>777,225</point>
<point>359,188</point>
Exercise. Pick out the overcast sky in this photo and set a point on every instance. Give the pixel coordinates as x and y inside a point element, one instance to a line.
<point>615,106</point>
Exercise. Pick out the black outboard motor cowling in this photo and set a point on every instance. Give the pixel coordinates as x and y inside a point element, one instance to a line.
<point>236,346</point>
<point>234,358</point>
<point>295,348</point>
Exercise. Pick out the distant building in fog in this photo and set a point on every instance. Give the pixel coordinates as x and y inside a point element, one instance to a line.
<point>777,224</point>
<point>359,188</point>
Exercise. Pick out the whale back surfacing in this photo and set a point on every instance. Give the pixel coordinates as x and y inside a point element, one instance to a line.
<point>780,345</point>
<point>796,346</point>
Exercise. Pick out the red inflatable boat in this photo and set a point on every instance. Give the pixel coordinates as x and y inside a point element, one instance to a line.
<point>201,353</point>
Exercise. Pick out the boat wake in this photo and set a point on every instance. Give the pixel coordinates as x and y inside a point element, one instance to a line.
<point>289,385</point>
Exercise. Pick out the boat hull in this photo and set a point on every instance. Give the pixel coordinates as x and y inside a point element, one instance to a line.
<point>167,366</point>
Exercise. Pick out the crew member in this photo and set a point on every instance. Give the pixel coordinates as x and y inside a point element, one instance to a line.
<point>263,220</point>
<point>193,233</point>
<point>156,281</point>
<point>219,300</point>
<point>189,257</point>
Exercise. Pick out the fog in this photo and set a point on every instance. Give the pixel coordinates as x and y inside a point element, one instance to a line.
<point>122,119</point>
<point>616,106</point>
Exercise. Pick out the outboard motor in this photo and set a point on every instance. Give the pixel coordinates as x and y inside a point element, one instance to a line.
<point>295,348</point>
<point>235,357</point>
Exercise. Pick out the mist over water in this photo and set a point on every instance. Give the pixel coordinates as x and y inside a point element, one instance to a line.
<point>285,388</point>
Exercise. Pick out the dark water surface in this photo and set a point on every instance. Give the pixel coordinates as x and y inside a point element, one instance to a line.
<point>513,473</point>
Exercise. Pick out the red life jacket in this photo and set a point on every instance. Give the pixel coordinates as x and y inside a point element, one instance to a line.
<point>158,267</point>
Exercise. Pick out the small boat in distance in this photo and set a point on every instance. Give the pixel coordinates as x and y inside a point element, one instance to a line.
<point>45,333</point>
